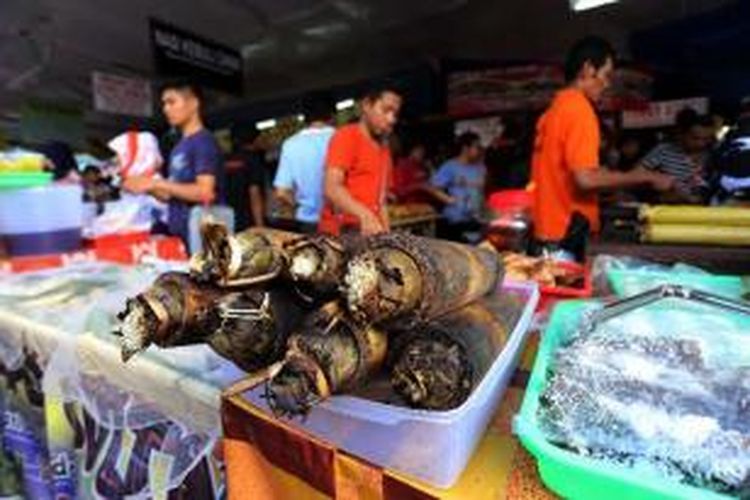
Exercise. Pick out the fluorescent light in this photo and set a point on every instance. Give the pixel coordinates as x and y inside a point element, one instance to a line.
<point>580,5</point>
<point>300,118</point>
<point>266,124</point>
<point>345,104</point>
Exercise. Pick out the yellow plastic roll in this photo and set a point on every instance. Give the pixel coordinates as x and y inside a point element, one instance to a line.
<point>688,214</point>
<point>697,234</point>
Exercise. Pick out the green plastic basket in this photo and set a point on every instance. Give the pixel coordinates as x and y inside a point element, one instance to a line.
<point>626,283</point>
<point>21,180</point>
<point>575,476</point>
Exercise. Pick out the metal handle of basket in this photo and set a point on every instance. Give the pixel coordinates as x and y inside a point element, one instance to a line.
<point>629,304</point>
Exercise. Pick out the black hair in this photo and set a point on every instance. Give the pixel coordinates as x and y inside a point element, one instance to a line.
<point>688,118</point>
<point>91,169</point>
<point>465,140</point>
<point>745,106</point>
<point>183,85</point>
<point>61,156</point>
<point>376,91</point>
<point>318,106</point>
<point>242,135</point>
<point>592,49</point>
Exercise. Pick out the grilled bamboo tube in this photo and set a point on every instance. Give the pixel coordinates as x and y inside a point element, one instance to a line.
<point>316,264</point>
<point>397,278</point>
<point>175,310</point>
<point>248,258</point>
<point>335,355</point>
<point>249,328</point>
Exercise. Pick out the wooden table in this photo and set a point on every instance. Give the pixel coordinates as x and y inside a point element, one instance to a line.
<point>423,225</point>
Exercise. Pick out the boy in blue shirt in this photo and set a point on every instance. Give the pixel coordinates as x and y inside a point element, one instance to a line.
<point>195,168</point>
<point>462,180</point>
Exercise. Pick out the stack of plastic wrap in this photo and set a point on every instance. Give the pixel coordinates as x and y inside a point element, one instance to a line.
<point>722,226</point>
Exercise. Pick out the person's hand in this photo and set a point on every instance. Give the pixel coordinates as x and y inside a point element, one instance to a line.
<point>138,184</point>
<point>662,183</point>
<point>370,224</point>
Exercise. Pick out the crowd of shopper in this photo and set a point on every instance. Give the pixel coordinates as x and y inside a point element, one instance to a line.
<point>341,180</point>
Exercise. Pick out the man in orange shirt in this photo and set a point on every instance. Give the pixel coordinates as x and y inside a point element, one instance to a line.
<point>358,168</point>
<point>566,172</point>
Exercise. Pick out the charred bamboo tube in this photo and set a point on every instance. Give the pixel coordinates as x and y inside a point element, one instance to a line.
<point>175,310</point>
<point>398,278</point>
<point>432,372</point>
<point>255,326</point>
<point>248,258</point>
<point>249,328</point>
<point>317,264</point>
<point>436,365</point>
<point>334,356</point>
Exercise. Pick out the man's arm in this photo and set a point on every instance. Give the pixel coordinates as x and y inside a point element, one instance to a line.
<point>439,184</point>
<point>257,205</point>
<point>283,183</point>
<point>438,194</point>
<point>337,193</point>
<point>284,196</point>
<point>600,179</point>
<point>203,190</point>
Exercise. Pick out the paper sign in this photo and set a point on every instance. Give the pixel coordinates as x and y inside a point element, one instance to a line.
<point>122,95</point>
<point>662,113</point>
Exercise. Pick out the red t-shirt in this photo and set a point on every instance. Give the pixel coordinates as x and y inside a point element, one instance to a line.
<point>408,174</point>
<point>367,167</point>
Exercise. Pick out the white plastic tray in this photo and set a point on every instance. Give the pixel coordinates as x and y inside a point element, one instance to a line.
<point>429,446</point>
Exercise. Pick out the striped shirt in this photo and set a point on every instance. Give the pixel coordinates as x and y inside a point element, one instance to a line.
<point>671,159</point>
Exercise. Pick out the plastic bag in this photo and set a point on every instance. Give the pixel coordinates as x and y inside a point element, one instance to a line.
<point>201,214</point>
<point>131,214</point>
<point>603,264</point>
<point>664,389</point>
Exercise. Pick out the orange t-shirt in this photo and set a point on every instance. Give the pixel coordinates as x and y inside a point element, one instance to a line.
<point>567,140</point>
<point>367,168</point>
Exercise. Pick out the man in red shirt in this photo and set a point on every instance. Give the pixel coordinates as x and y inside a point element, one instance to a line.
<point>358,167</point>
<point>566,171</point>
<point>410,176</point>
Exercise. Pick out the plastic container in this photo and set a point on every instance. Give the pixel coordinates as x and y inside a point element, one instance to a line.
<point>429,446</point>
<point>510,228</point>
<point>41,209</point>
<point>20,180</point>
<point>43,220</point>
<point>625,283</point>
<point>18,160</point>
<point>551,295</point>
<point>571,475</point>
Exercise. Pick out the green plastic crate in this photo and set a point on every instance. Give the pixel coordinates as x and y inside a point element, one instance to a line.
<point>569,474</point>
<point>626,283</point>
